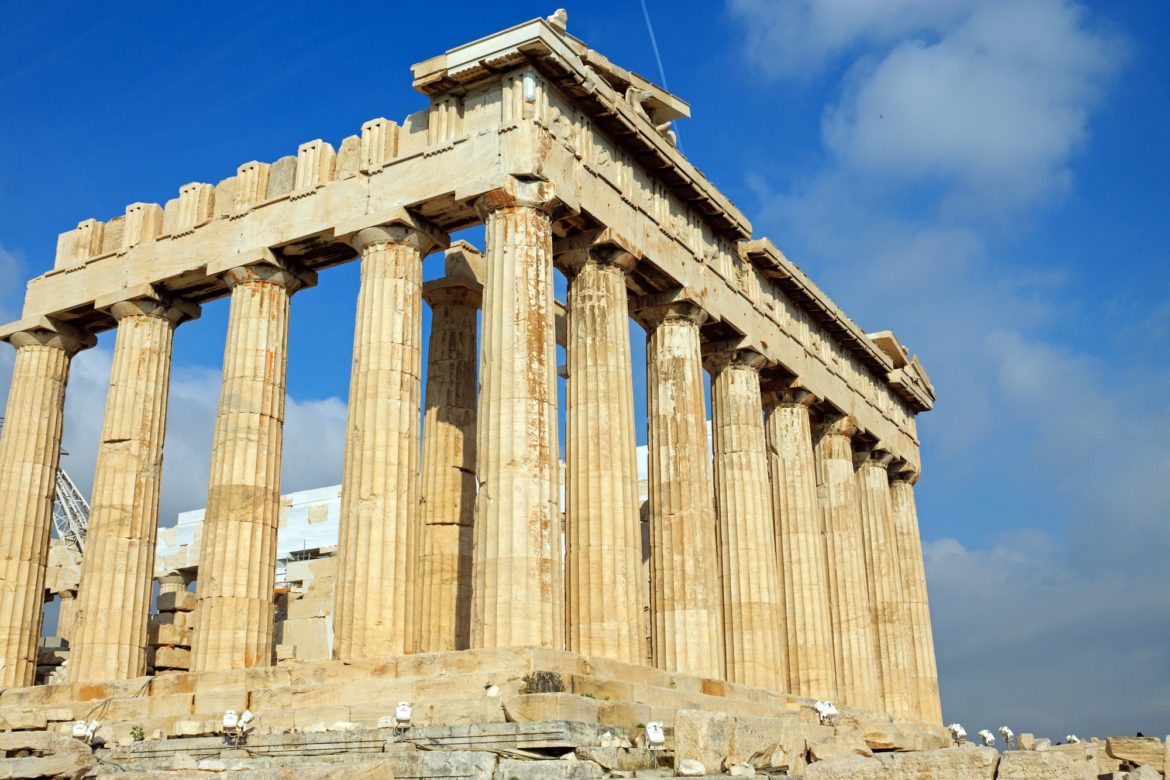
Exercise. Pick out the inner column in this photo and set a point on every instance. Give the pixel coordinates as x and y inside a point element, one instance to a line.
<point>853,639</point>
<point>30,449</point>
<point>752,607</point>
<point>517,596</point>
<point>237,557</point>
<point>116,573</point>
<point>376,564</point>
<point>448,458</point>
<point>603,533</point>
<point>687,629</point>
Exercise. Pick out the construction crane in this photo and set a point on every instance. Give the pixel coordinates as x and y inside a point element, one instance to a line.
<point>70,509</point>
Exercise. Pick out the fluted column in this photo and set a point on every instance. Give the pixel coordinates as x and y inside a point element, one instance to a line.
<point>109,641</point>
<point>884,575</point>
<point>687,632</point>
<point>30,447</point>
<point>853,639</point>
<point>800,544</point>
<point>448,465</point>
<point>924,675</point>
<point>237,557</point>
<point>517,596</point>
<point>752,603</point>
<point>603,536</point>
<point>376,564</point>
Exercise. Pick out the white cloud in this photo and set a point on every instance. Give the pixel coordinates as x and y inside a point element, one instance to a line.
<point>986,99</point>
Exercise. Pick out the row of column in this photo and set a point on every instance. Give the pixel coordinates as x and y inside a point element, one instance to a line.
<point>776,564</point>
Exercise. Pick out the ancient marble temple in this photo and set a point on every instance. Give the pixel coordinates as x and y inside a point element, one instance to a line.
<point>783,543</point>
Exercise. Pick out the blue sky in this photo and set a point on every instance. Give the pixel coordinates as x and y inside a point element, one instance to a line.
<point>988,178</point>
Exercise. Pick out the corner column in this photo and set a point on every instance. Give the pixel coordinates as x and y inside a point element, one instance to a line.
<point>752,604</point>
<point>687,627</point>
<point>884,575</point>
<point>109,639</point>
<point>800,543</point>
<point>376,567</point>
<point>924,671</point>
<point>30,448</point>
<point>853,639</point>
<point>603,534</point>
<point>448,457</point>
<point>237,557</point>
<point>517,596</point>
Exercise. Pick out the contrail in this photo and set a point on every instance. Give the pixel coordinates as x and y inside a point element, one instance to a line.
<point>658,58</point>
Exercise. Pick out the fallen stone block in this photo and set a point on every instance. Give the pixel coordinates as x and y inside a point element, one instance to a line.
<point>549,770</point>
<point>837,747</point>
<point>957,763</point>
<point>1043,765</point>
<point>622,759</point>
<point>1144,772</point>
<point>22,719</point>
<point>53,756</point>
<point>1138,751</point>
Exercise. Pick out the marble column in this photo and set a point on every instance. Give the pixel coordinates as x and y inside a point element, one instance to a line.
<point>30,447</point>
<point>376,551</point>
<point>685,598</point>
<point>517,595</point>
<point>117,571</point>
<point>884,575</point>
<point>603,535</point>
<point>800,543</point>
<point>924,675</point>
<point>237,556</point>
<point>853,639</point>
<point>752,600</point>
<point>448,466</point>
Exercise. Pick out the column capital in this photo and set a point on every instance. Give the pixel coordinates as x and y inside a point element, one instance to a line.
<point>603,246</point>
<point>450,291</point>
<point>147,301</point>
<point>903,472</point>
<point>266,267</point>
<point>518,192</point>
<point>873,456</point>
<point>47,332</point>
<point>836,424</point>
<point>401,226</point>
<point>719,356</point>
<point>787,392</point>
<point>680,304</point>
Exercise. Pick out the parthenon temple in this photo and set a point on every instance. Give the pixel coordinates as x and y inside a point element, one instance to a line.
<point>784,558</point>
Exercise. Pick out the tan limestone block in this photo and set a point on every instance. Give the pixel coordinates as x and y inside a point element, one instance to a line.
<point>1139,751</point>
<point>1043,765</point>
